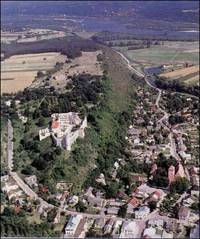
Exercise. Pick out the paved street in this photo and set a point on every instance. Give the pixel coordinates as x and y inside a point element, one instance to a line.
<point>27,190</point>
<point>10,146</point>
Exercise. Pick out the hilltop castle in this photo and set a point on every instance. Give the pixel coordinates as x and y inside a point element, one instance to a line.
<point>65,129</point>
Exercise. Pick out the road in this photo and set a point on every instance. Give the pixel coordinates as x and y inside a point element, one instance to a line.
<point>10,145</point>
<point>27,190</point>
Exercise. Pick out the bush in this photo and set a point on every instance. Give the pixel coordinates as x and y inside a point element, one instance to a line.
<point>180,185</point>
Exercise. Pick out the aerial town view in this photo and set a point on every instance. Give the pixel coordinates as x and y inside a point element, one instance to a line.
<point>100,119</point>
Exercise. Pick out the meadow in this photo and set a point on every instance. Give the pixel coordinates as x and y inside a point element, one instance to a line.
<point>169,53</point>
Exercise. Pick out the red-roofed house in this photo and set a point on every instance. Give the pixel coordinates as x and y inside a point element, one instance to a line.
<point>155,196</point>
<point>55,124</point>
<point>134,202</point>
<point>180,172</point>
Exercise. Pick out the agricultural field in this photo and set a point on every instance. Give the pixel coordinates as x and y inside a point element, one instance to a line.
<point>169,53</point>
<point>189,75</point>
<point>19,71</point>
<point>31,35</point>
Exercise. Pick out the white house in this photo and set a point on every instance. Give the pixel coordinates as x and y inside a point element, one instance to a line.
<point>7,188</point>
<point>129,230</point>
<point>116,228</point>
<point>142,212</point>
<point>72,225</point>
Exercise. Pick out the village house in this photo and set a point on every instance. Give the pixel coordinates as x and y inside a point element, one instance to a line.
<point>133,203</point>
<point>4,178</point>
<point>73,200</point>
<point>129,230</point>
<point>113,210</point>
<point>187,202</point>
<point>151,232</point>
<point>155,196</point>
<point>156,223</point>
<point>31,181</point>
<point>65,129</point>
<point>116,229</point>
<point>72,225</point>
<point>142,212</point>
<point>185,156</point>
<point>108,226</point>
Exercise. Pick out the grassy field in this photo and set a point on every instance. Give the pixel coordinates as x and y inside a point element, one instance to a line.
<point>193,80</point>
<point>19,71</point>
<point>170,52</point>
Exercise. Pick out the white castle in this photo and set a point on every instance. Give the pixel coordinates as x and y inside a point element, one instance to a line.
<point>65,129</point>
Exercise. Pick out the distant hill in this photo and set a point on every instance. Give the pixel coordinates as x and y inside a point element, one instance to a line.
<point>182,11</point>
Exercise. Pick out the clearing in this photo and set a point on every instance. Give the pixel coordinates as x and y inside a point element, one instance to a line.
<point>87,63</point>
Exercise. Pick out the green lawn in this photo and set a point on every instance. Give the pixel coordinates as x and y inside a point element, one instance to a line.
<point>160,55</point>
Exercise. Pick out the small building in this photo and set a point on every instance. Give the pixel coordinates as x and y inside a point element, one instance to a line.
<point>129,230</point>
<point>108,226</point>
<point>4,178</point>
<point>7,188</point>
<point>31,181</point>
<point>151,232</point>
<point>73,200</point>
<point>142,212</point>
<point>155,196</point>
<point>133,203</point>
<point>116,228</point>
<point>72,225</point>
<point>156,223</point>
<point>112,210</point>
<point>185,156</point>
